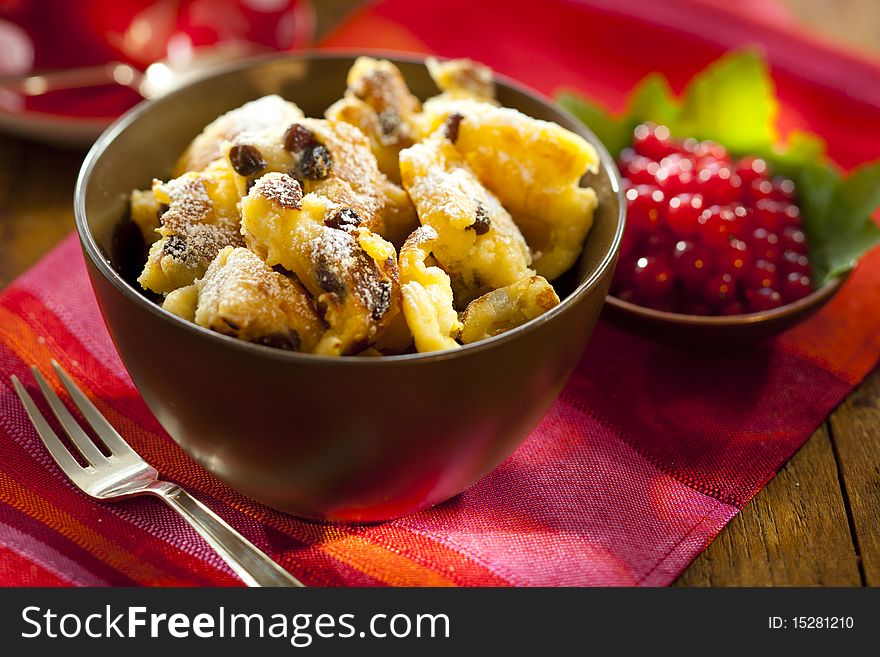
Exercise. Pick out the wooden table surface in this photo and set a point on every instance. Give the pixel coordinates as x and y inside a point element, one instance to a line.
<point>816,523</point>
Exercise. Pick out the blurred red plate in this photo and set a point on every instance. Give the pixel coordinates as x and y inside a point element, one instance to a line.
<point>44,35</point>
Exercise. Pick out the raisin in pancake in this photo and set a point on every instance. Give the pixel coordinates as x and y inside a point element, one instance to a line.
<point>241,296</point>
<point>201,219</point>
<point>256,116</point>
<point>331,160</point>
<point>351,272</point>
<point>282,230</point>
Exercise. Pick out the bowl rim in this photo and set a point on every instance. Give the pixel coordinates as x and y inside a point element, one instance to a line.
<point>90,246</point>
<point>814,299</point>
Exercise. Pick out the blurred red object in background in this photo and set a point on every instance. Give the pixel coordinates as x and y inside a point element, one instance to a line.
<point>67,34</point>
<point>41,35</point>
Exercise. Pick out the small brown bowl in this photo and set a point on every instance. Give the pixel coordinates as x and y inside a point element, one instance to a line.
<point>352,439</point>
<point>717,331</point>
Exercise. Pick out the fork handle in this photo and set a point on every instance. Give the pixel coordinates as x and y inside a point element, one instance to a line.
<point>250,563</point>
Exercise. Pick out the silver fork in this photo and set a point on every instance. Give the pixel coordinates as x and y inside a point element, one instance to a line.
<point>125,474</point>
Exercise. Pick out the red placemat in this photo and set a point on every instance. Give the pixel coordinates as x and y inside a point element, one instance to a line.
<point>649,451</point>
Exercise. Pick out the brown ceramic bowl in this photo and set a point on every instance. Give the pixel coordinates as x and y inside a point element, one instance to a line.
<point>352,439</point>
<point>717,331</point>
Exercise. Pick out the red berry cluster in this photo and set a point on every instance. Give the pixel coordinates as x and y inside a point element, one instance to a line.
<point>707,234</point>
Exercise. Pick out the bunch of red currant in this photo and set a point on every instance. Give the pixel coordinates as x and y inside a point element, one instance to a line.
<point>707,234</point>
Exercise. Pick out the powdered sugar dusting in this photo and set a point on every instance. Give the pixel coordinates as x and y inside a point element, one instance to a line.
<point>343,267</point>
<point>380,84</point>
<point>190,202</point>
<point>191,236</point>
<point>197,244</point>
<point>282,189</point>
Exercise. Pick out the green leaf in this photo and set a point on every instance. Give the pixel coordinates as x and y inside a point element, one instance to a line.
<point>849,215</point>
<point>650,100</point>
<point>843,254</point>
<point>653,100</point>
<point>801,149</point>
<point>837,214</point>
<point>733,101</point>
<point>859,194</point>
<point>817,186</point>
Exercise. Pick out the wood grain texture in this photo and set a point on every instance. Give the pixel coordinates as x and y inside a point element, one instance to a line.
<point>855,434</point>
<point>795,532</point>
<point>36,202</point>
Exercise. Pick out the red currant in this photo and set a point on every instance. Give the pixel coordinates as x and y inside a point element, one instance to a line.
<point>676,174</point>
<point>718,183</point>
<point>706,150</point>
<point>641,170</point>
<point>750,169</point>
<point>782,189</point>
<point>720,289</point>
<point>742,220</point>
<point>716,225</point>
<point>734,259</point>
<point>796,286</point>
<point>682,214</point>
<point>643,208</point>
<point>732,308</point>
<point>762,274</point>
<point>791,215</point>
<point>692,263</point>
<point>653,141</point>
<point>674,181</point>
<point>760,188</point>
<point>652,278</point>
<point>764,298</point>
<point>793,239</point>
<point>794,261</point>
<point>660,242</point>
<point>677,162</point>
<point>626,156</point>
<point>707,233</point>
<point>770,214</point>
<point>765,245</point>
